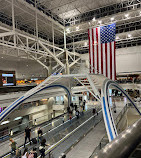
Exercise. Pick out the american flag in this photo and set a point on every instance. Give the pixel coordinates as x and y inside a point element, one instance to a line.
<point>102,50</point>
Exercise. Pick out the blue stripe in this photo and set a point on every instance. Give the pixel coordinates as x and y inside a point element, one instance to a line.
<point>128,98</point>
<point>110,111</point>
<point>107,120</point>
<point>10,106</point>
<point>14,105</point>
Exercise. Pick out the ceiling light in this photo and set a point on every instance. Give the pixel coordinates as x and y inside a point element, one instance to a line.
<point>112,18</point>
<point>99,21</point>
<point>5,122</point>
<point>94,19</point>
<point>27,65</point>
<point>117,38</point>
<point>18,118</point>
<point>77,28</point>
<point>68,30</point>
<point>126,15</point>
<point>129,35</point>
<point>123,135</point>
<point>85,44</point>
<point>2,57</point>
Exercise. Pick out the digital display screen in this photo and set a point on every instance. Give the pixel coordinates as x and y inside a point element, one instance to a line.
<point>7,79</point>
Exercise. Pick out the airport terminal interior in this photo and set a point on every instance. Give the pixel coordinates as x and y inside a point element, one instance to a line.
<point>70,78</point>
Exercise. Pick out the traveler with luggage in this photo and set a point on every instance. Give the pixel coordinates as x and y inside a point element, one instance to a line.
<point>27,134</point>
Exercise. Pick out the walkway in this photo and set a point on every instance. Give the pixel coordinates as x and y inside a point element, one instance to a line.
<point>86,146</point>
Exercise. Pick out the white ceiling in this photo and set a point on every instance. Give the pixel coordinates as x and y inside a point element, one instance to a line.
<point>69,8</point>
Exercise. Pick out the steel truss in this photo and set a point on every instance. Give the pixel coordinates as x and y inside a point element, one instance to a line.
<point>36,49</point>
<point>33,47</point>
<point>131,42</point>
<point>120,28</point>
<point>104,11</point>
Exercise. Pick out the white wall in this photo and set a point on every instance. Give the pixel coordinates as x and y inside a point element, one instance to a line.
<point>21,68</point>
<point>127,59</point>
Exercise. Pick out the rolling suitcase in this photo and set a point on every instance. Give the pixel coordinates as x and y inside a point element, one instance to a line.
<point>34,140</point>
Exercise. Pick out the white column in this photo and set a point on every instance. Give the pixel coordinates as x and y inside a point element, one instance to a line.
<point>53,38</point>
<point>66,52</point>
<point>73,48</point>
<point>13,22</point>
<point>36,18</point>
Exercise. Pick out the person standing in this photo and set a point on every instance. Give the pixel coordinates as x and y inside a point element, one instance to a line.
<point>13,145</point>
<point>70,117</point>
<point>84,103</point>
<point>40,133</point>
<point>75,107</point>
<point>114,107</point>
<point>27,134</point>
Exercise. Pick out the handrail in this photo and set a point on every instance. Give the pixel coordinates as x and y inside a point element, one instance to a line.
<point>116,122</point>
<point>124,144</point>
<point>50,149</point>
<point>33,126</point>
<point>20,147</point>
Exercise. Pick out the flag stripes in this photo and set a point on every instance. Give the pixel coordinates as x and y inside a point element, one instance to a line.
<point>101,54</point>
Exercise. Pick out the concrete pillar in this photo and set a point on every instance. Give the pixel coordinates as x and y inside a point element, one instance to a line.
<point>50,104</point>
<point>65,103</point>
<point>67,64</point>
<point>48,61</point>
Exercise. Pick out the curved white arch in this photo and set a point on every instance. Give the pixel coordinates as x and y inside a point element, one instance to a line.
<point>107,114</point>
<point>27,95</point>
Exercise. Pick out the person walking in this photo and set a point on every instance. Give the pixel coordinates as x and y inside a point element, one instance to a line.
<point>40,133</point>
<point>70,117</point>
<point>77,114</point>
<point>13,145</point>
<point>94,111</point>
<point>114,107</point>
<point>27,134</point>
<point>75,107</point>
<point>84,103</point>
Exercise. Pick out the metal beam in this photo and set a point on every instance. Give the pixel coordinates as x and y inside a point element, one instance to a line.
<point>74,62</point>
<point>53,56</point>
<point>7,34</point>
<point>41,13</point>
<point>37,60</point>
